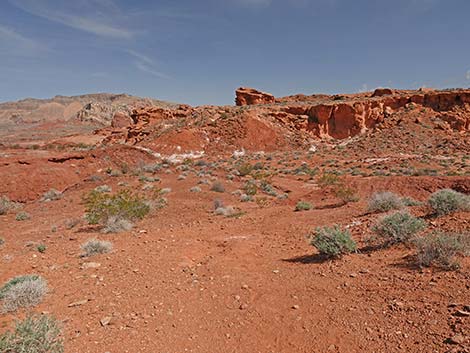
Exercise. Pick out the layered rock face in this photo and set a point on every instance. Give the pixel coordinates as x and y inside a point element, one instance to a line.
<point>345,116</point>
<point>250,96</point>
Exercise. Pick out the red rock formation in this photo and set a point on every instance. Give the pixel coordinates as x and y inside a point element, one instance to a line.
<point>379,92</point>
<point>120,120</point>
<point>250,96</point>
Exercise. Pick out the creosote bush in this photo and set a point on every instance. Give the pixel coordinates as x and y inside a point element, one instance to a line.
<point>333,241</point>
<point>447,201</point>
<point>217,186</point>
<point>398,227</point>
<point>384,201</point>
<point>51,195</point>
<point>35,334</point>
<point>23,292</point>
<point>95,246</point>
<point>441,250</point>
<point>101,207</point>
<point>303,206</point>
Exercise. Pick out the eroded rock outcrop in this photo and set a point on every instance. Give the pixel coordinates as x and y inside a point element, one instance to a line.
<point>250,96</point>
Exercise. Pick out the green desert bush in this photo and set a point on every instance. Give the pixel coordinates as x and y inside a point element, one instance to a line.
<point>441,250</point>
<point>101,207</point>
<point>303,206</point>
<point>333,241</point>
<point>35,334</point>
<point>5,205</point>
<point>395,228</point>
<point>95,247</point>
<point>447,201</point>
<point>384,201</point>
<point>23,292</point>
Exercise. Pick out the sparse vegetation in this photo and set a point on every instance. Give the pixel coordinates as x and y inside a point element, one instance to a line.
<point>333,241</point>
<point>303,206</point>
<point>23,292</point>
<point>217,186</point>
<point>384,201</point>
<point>41,248</point>
<point>51,195</point>
<point>95,247</point>
<point>441,250</point>
<point>22,216</point>
<point>398,227</point>
<point>447,201</point>
<point>35,334</point>
<point>104,208</point>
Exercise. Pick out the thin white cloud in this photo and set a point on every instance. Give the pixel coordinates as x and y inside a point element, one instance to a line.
<point>146,64</point>
<point>101,20</point>
<point>150,70</point>
<point>13,42</point>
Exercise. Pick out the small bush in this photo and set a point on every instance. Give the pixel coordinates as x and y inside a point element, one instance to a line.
<point>23,292</point>
<point>328,179</point>
<point>14,281</point>
<point>124,205</point>
<point>117,224</point>
<point>384,201</point>
<point>397,228</point>
<point>35,334</point>
<point>441,250</point>
<point>5,205</point>
<point>195,189</point>
<point>51,195</point>
<point>346,193</point>
<point>250,188</point>
<point>22,216</point>
<point>217,187</point>
<point>245,169</point>
<point>333,241</point>
<point>94,247</point>
<point>447,201</point>
<point>41,248</point>
<point>303,206</point>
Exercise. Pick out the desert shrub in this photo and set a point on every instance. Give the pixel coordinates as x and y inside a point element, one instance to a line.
<point>328,179</point>
<point>51,195</point>
<point>218,203</point>
<point>217,186</point>
<point>441,250</point>
<point>23,292</point>
<point>117,224</point>
<point>41,248</point>
<point>333,241</point>
<point>35,334</point>
<point>124,205</point>
<point>384,201</point>
<point>103,188</point>
<point>346,193</point>
<point>225,211</point>
<point>303,206</point>
<point>447,201</point>
<point>22,216</point>
<point>5,205</point>
<point>195,189</point>
<point>246,198</point>
<point>2,241</point>
<point>95,246</point>
<point>268,188</point>
<point>410,202</point>
<point>398,227</point>
<point>245,169</point>
<point>250,188</point>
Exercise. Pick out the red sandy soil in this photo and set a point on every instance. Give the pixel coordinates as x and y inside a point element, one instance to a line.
<point>186,280</point>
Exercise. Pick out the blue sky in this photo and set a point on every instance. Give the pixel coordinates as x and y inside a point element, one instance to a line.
<point>200,51</point>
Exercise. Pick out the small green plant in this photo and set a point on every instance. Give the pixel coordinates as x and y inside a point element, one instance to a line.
<point>346,193</point>
<point>398,227</point>
<point>41,248</point>
<point>441,250</point>
<point>447,201</point>
<point>100,207</point>
<point>384,201</point>
<point>35,334</point>
<point>23,292</point>
<point>333,241</point>
<point>245,169</point>
<point>328,179</point>
<point>22,216</point>
<point>250,188</point>
<point>303,206</point>
<point>95,247</point>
